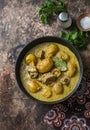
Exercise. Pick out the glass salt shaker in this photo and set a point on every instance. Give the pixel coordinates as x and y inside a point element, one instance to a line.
<point>64,20</point>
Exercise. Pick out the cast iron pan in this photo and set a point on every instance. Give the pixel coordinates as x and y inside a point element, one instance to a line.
<point>40,41</point>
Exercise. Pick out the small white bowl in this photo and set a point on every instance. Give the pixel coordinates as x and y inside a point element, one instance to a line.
<point>79,19</point>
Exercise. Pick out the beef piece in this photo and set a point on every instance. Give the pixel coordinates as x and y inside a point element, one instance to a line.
<point>65,80</point>
<point>32,71</point>
<point>50,79</point>
<point>47,78</point>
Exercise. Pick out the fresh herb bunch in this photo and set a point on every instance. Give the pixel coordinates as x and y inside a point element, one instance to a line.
<point>78,38</point>
<point>49,8</point>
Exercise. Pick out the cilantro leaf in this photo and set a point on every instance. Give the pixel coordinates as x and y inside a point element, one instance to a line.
<point>78,38</point>
<point>48,8</point>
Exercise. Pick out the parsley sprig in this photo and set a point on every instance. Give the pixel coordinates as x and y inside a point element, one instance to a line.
<point>78,38</point>
<point>49,8</point>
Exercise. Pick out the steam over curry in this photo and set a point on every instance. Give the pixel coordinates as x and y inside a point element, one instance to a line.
<point>49,72</point>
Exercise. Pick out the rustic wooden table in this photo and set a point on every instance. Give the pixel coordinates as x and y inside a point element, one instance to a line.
<point>20,24</point>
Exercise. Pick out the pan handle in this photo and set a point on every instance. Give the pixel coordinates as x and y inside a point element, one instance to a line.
<point>17,50</point>
<point>13,53</point>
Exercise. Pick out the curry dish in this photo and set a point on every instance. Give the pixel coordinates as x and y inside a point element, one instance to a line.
<point>49,72</point>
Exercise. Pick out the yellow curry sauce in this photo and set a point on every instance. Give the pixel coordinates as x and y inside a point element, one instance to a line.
<point>54,94</point>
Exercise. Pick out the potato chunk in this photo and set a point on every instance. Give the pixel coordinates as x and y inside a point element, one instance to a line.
<point>71,69</point>
<point>33,86</point>
<point>30,58</point>
<point>51,50</point>
<point>44,65</point>
<point>47,92</point>
<point>58,88</point>
<point>63,55</point>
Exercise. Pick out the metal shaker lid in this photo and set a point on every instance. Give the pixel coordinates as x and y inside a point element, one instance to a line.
<point>63,16</point>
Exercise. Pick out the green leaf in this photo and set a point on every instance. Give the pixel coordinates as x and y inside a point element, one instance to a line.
<point>59,63</point>
<point>74,36</point>
<point>78,38</point>
<point>44,19</point>
<point>48,8</point>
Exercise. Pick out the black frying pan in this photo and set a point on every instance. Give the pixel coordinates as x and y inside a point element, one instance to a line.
<point>40,41</point>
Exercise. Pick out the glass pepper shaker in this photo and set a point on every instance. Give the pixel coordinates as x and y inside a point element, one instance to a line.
<point>64,20</point>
